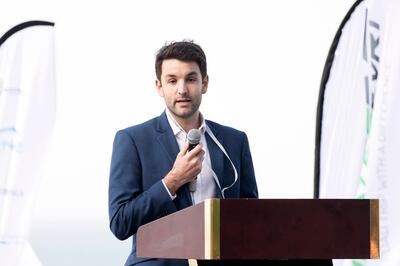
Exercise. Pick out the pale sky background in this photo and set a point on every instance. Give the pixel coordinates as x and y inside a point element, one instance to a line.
<point>265,61</point>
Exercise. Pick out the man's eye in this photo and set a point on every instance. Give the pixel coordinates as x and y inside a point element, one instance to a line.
<point>192,79</point>
<point>172,81</point>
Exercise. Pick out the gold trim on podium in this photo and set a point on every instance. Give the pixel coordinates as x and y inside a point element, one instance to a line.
<point>212,229</point>
<point>374,228</point>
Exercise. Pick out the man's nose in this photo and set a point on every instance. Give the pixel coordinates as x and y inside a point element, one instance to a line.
<point>182,87</point>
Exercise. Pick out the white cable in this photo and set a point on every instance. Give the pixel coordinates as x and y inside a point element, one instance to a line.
<point>208,130</point>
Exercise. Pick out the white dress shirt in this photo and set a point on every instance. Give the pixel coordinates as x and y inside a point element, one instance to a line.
<point>206,186</point>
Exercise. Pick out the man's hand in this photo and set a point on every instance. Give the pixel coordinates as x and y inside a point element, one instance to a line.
<point>186,168</point>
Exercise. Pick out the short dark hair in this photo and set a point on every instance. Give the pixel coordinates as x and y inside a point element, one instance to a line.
<point>186,51</point>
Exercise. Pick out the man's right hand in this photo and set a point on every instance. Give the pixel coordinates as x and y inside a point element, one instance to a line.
<point>186,168</point>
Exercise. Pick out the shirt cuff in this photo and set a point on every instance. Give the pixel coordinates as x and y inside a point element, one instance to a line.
<point>169,193</point>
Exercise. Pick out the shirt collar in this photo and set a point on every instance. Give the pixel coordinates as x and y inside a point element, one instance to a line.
<point>176,128</point>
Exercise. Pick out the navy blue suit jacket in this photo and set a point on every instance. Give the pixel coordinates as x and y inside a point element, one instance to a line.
<point>144,154</point>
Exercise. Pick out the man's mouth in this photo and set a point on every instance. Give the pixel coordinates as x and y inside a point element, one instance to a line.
<point>183,101</point>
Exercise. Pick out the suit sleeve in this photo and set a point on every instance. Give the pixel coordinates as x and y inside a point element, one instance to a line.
<point>129,205</point>
<point>248,185</point>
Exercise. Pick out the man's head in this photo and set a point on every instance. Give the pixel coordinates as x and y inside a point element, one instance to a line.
<point>186,51</point>
<point>182,79</point>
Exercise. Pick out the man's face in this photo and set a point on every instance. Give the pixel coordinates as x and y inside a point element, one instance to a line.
<point>182,87</point>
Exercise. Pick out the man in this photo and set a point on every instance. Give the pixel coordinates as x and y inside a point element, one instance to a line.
<point>151,165</point>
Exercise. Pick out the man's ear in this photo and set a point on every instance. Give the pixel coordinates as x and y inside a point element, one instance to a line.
<point>204,85</point>
<point>159,88</point>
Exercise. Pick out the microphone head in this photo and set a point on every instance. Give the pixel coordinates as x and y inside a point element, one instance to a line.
<point>194,136</point>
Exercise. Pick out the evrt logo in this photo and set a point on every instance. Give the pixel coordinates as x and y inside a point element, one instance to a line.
<point>371,53</point>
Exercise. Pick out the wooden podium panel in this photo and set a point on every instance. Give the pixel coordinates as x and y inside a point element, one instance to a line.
<point>265,229</point>
<point>178,235</point>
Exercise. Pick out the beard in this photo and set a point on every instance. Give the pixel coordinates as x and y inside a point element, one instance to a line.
<point>185,113</point>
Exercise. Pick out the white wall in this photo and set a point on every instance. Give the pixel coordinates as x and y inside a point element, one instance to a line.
<point>265,62</point>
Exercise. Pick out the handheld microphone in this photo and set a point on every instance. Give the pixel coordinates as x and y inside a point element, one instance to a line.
<point>193,136</point>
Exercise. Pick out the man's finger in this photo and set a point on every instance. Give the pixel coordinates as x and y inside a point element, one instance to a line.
<point>184,150</point>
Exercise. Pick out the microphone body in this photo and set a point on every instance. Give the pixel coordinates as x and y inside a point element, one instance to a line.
<point>192,146</point>
<point>194,136</point>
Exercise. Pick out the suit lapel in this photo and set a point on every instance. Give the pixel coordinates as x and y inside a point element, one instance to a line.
<point>169,145</point>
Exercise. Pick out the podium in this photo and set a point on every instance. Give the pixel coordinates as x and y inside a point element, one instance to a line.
<point>265,232</point>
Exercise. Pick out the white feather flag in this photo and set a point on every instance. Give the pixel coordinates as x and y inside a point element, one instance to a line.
<point>27,115</point>
<point>360,118</point>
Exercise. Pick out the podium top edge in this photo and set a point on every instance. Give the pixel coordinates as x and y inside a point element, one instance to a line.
<point>291,199</point>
